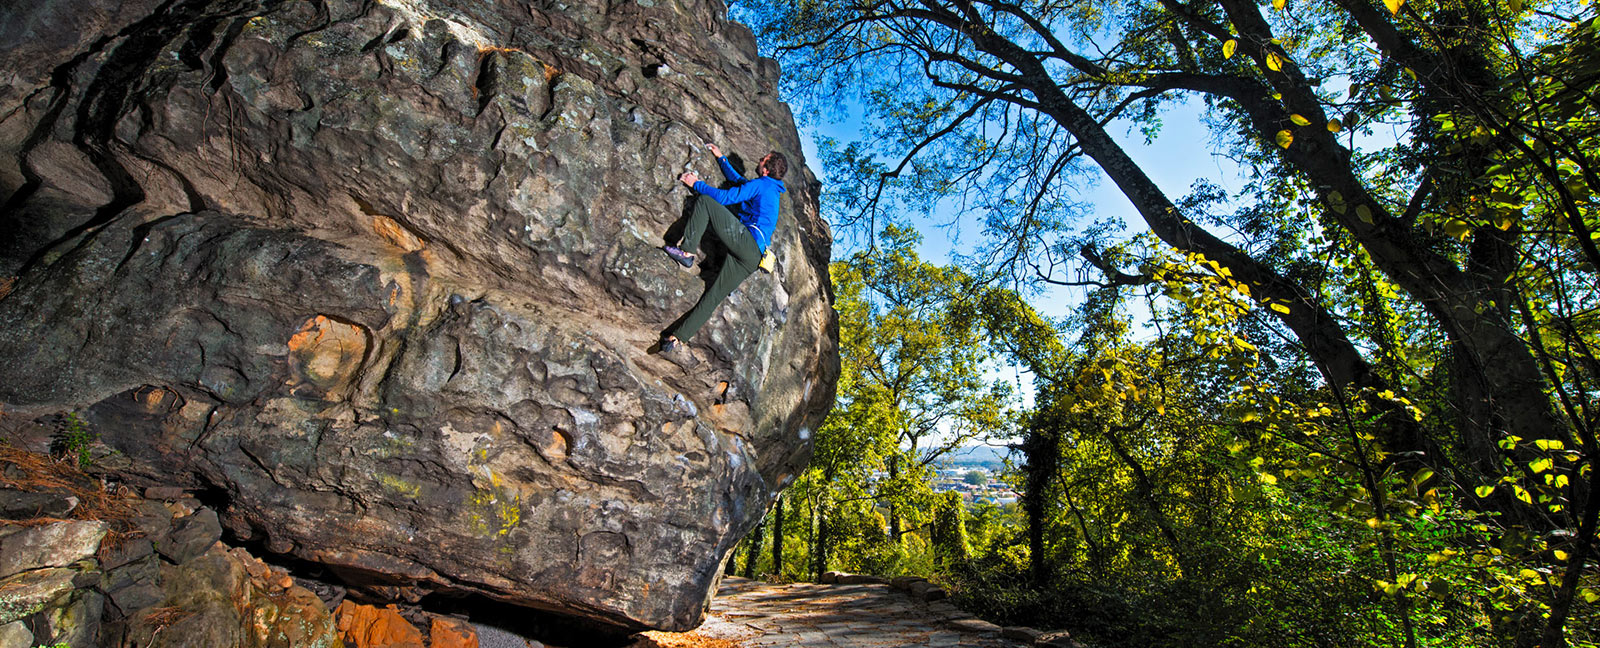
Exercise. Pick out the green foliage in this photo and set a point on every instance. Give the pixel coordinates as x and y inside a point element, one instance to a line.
<point>1352,403</point>
<point>75,438</point>
<point>911,389</point>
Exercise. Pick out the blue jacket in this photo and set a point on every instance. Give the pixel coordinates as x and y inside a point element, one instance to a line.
<point>755,202</point>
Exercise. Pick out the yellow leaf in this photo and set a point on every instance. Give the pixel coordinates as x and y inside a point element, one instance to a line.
<point>1522,494</point>
<point>1364,213</point>
<point>1280,308</point>
<point>1285,138</point>
<point>1483,491</point>
<point>1336,202</point>
<point>1549,444</point>
<point>1541,465</point>
<point>1393,5</point>
<point>1335,126</point>
<point>1274,62</point>
<point>1278,4</point>
<point>1458,229</point>
<point>1561,555</point>
<point>1228,48</point>
<point>1299,120</point>
<point>1591,596</point>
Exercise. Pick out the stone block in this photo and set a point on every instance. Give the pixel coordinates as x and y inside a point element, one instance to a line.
<point>27,593</point>
<point>49,545</point>
<point>135,586</point>
<point>15,635</point>
<point>445,632</point>
<point>973,624</point>
<point>75,622</point>
<point>191,536</point>
<point>862,579</point>
<point>366,626</point>
<point>1056,639</point>
<point>905,582</point>
<point>926,591</point>
<point>21,505</point>
<point>831,577</point>
<point>1024,634</point>
<point>128,550</point>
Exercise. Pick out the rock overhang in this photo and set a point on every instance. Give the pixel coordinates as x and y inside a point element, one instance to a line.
<point>387,277</point>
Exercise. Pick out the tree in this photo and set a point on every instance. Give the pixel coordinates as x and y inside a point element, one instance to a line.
<point>911,354</point>
<point>1478,224</point>
<point>911,389</point>
<point>975,478</point>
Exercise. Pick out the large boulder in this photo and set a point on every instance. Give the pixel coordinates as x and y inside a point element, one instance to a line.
<point>382,276</point>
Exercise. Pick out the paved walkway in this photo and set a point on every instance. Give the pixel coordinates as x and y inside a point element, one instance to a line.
<point>751,614</point>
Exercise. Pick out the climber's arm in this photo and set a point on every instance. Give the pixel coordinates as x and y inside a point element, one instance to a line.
<point>727,170</point>
<point>730,196</point>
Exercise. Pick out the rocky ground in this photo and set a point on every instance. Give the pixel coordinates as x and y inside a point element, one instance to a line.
<point>84,563</point>
<point>851,611</point>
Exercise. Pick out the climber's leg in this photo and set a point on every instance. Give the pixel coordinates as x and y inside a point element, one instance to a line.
<point>734,270</point>
<point>706,212</point>
<point>743,258</point>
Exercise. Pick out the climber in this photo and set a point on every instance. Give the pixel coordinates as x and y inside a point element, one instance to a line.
<point>746,235</point>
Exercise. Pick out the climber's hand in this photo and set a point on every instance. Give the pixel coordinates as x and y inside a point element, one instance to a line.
<point>714,150</point>
<point>688,178</point>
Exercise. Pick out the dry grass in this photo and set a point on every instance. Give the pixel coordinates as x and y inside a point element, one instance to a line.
<point>6,285</point>
<point>37,472</point>
<point>162,617</point>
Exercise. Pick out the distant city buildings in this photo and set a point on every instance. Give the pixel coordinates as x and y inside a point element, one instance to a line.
<point>955,478</point>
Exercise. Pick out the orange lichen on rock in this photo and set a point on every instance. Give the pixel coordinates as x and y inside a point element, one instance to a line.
<point>365,626</point>
<point>396,234</point>
<point>446,632</point>
<point>326,353</point>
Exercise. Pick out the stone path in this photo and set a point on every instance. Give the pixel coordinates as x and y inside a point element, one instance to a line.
<point>751,614</point>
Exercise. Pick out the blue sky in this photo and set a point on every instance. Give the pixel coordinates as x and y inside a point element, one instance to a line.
<point>1180,154</point>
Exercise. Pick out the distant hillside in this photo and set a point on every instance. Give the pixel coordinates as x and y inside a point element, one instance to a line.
<point>991,457</point>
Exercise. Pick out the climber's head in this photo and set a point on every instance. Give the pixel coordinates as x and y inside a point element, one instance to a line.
<point>774,165</point>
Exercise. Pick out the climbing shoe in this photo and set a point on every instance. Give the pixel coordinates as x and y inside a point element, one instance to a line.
<point>669,344</point>
<point>684,259</point>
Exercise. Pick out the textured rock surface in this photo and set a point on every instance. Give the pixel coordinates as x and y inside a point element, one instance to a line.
<point>54,544</point>
<point>383,276</point>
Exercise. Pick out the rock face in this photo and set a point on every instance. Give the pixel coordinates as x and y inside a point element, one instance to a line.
<point>382,276</point>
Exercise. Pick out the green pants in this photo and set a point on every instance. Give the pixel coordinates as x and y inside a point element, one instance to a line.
<point>743,258</point>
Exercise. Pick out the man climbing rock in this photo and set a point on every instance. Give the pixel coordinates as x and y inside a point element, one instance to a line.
<point>746,232</point>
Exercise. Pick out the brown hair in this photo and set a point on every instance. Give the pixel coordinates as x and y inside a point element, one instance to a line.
<point>777,165</point>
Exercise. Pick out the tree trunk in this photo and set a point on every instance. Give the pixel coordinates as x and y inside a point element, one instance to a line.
<point>1040,450</point>
<point>755,550</point>
<point>777,538</point>
<point>894,510</point>
<point>819,549</point>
